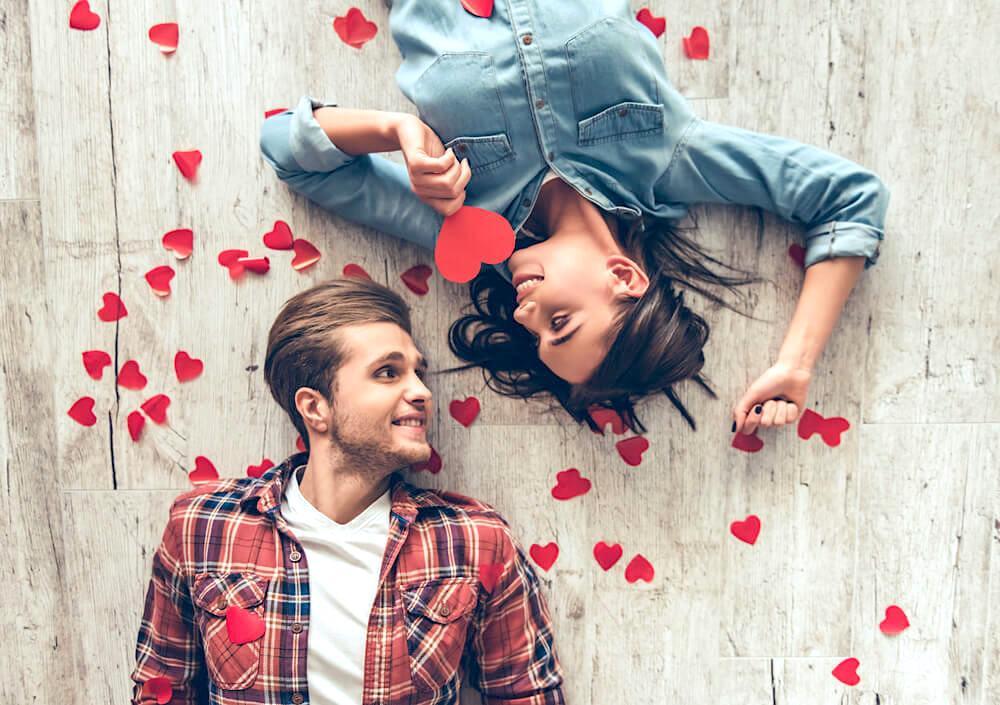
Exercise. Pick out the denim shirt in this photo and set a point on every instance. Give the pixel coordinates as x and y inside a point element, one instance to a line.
<point>578,87</point>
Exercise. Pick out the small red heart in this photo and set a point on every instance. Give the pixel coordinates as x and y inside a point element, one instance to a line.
<point>135,422</point>
<point>180,242</point>
<point>80,17</point>
<point>300,444</point>
<point>159,279</point>
<point>113,309</point>
<point>468,238</point>
<point>696,46</point>
<point>273,111</point>
<point>656,25</point>
<point>94,362</point>
<point>187,163</point>
<point>748,442</point>
<point>186,367</point>
<point>204,471</point>
<point>159,688</point>
<point>354,270</point>
<point>639,569</point>
<point>489,575</point>
<point>279,237</point>
<point>895,621</point>
<point>416,278</point>
<point>156,408</point>
<point>354,28</point>
<point>607,555</point>
<point>82,411</point>
<point>164,36</point>
<point>798,255</point>
<point>747,530</point>
<point>570,484</point>
<point>545,555</point>
<point>258,470</point>
<point>257,265</point>
<point>306,254</point>
<point>847,671</point>
<point>602,417</point>
<point>479,8</point>
<point>465,411</point>
<point>829,429</point>
<point>631,449</point>
<point>230,260</point>
<point>432,465</point>
<point>130,377</point>
<point>242,625</point>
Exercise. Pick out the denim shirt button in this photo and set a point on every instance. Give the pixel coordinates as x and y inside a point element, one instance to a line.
<point>526,39</point>
<point>587,190</point>
<point>539,103</point>
<point>526,202</point>
<point>623,112</point>
<point>552,156</point>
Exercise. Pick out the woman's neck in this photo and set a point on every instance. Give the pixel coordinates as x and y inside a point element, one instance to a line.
<point>562,213</point>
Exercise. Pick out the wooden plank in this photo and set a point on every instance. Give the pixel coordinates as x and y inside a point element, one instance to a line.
<point>18,164</point>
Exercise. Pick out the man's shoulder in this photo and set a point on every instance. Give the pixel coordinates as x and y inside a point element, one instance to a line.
<point>456,506</point>
<point>219,496</point>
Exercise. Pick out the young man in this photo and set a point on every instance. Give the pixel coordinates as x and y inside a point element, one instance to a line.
<point>331,580</point>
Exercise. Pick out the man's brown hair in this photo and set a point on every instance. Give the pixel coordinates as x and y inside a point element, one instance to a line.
<point>303,348</point>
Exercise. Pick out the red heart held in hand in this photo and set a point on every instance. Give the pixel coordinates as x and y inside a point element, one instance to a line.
<point>113,309</point>
<point>747,530</point>
<point>354,28</point>
<point>479,8</point>
<point>602,417</point>
<point>306,254</point>
<point>159,279</point>
<point>631,449</point>
<point>465,411</point>
<point>156,408</point>
<point>186,367</point>
<point>607,555</point>
<point>432,465</point>
<point>80,17</point>
<point>829,429</point>
<point>354,270</point>
<point>187,163</point>
<point>798,255</point>
<point>135,423</point>
<point>258,470</point>
<point>656,25</point>
<point>570,484</point>
<point>204,471</point>
<point>279,237</point>
<point>230,260</point>
<point>130,377</point>
<point>159,688</point>
<point>82,411</point>
<point>274,111</point>
<point>257,265</point>
<point>468,238</point>
<point>895,621</point>
<point>545,555</point>
<point>416,278</point>
<point>489,574</point>
<point>242,625</point>
<point>164,36</point>
<point>94,362</point>
<point>747,442</point>
<point>847,671</point>
<point>180,242</point>
<point>696,46</point>
<point>639,569</point>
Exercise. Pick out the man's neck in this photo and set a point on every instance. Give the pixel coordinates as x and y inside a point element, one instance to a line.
<point>339,493</point>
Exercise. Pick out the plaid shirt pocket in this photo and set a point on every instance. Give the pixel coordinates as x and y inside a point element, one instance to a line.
<point>232,666</point>
<point>437,614</point>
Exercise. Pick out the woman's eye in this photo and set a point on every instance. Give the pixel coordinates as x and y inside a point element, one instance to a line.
<point>559,322</point>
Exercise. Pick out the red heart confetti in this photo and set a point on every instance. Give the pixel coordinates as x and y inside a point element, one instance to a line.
<point>607,555</point>
<point>156,408</point>
<point>180,242</point>
<point>602,417</point>
<point>80,17</point>
<point>279,237</point>
<point>159,279</point>
<point>468,238</point>
<point>639,569</point>
<point>479,8</point>
<point>829,429</point>
<point>257,265</point>
<point>489,575</point>
<point>113,309</point>
<point>545,555</point>
<point>159,688</point>
<point>847,671</point>
<point>747,530</point>
<point>895,621</point>
<point>204,471</point>
<point>164,36</point>
<point>798,255</point>
<point>300,444</point>
<point>130,377</point>
<point>416,278</point>
<point>274,111</point>
<point>696,46</point>
<point>186,367</point>
<point>656,25</point>
<point>230,260</point>
<point>747,442</point>
<point>94,362</point>
<point>242,625</point>
<point>306,254</point>
<point>258,470</point>
<point>354,28</point>
<point>570,484</point>
<point>135,422</point>
<point>465,411</point>
<point>82,411</point>
<point>432,465</point>
<point>631,449</point>
<point>187,163</point>
<point>354,270</point>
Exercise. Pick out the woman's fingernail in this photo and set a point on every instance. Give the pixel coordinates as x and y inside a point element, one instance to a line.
<point>757,409</point>
<point>734,426</point>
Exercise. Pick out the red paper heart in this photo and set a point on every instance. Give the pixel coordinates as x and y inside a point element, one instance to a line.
<point>186,367</point>
<point>273,111</point>
<point>639,569</point>
<point>829,429</point>
<point>130,377</point>
<point>353,270</point>
<point>156,408</point>
<point>748,442</point>
<point>180,242</point>
<point>159,279</point>
<point>187,163</point>
<point>242,625</point>
<point>847,671</point>
<point>306,254</point>
<point>696,46</point>
<point>258,470</point>
<point>570,484</point>
<point>479,8</point>
<point>164,36</point>
<point>607,555</point>
<point>230,260</point>
<point>432,465</point>
<point>82,411</point>
<point>545,555</point>
<point>602,417</point>
<point>798,255</point>
<point>656,25</point>
<point>895,621</point>
<point>468,238</point>
<point>489,575</point>
<point>135,422</point>
<point>279,237</point>
<point>204,471</point>
<point>747,530</point>
<point>94,362</point>
<point>354,28</point>
<point>113,309</point>
<point>416,278</point>
<point>257,265</point>
<point>300,444</point>
<point>159,688</point>
<point>465,411</point>
<point>631,449</point>
<point>80,17</point>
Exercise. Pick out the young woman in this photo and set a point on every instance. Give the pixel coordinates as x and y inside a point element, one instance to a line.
<point>560,117</point>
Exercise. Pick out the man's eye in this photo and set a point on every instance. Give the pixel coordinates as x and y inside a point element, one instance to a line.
<point>386,369</point>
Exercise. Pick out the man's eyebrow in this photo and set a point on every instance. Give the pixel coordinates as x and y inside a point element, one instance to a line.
<point>397,356</point>
<point>560,341</point>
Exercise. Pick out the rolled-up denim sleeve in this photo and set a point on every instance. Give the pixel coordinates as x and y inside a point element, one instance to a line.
<point>841,204</point>
<point>368,189</point>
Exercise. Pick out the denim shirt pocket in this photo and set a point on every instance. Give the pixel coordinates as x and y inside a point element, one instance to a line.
<point>484,153</point>
<point>627,119</point>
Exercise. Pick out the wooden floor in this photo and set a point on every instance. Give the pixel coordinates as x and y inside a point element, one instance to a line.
<point>905,511</point>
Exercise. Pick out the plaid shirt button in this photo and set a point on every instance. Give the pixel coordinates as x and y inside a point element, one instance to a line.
<point>294,556</point>
<point>297,698</point>
<point>297,628</point>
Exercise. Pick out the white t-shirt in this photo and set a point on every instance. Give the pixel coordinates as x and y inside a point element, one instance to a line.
<point>549,176</point>
<point>344,561</point>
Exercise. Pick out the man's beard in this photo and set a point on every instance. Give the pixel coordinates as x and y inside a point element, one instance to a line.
<point>371,452</point>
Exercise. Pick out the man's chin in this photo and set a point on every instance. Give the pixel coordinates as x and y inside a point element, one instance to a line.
<point>414,451</point>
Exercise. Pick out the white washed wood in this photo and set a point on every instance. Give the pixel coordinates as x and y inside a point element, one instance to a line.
<point>18,166</point>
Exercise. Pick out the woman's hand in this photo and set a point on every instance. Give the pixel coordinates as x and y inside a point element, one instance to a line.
<point>776,398</point>
<point>436,175</point>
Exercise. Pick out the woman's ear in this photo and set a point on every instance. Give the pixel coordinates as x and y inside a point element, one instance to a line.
<point>627,277</point>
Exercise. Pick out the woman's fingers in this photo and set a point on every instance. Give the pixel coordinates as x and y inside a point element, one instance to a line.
<point>449,184</point>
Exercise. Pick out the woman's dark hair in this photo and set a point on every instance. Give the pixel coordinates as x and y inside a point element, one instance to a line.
<point>657,341</point>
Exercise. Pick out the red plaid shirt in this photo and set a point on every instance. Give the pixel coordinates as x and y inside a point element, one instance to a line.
<point>436,614</point>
